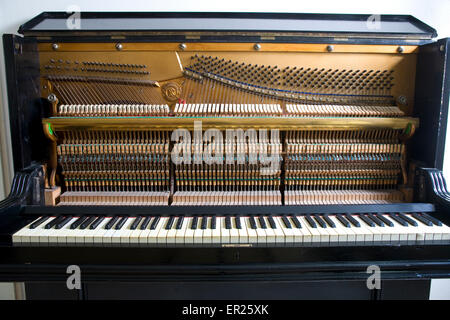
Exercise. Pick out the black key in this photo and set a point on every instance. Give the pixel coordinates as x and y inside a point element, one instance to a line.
<point>352,220</point>
<point>213,222</point>
<point>262,222</point>
<point>38,222</point>
<point>296,222</point>
<point>204,223</point>
<point>54,222</point>
<point>342,220</point>
<point>237,220</point>
<point>227,222</point>
<point>375,219</point>
<point>170,223</point>
<point>79,221</point>
<point>179,223</point>
<point>286,222</point>
<point>329,221</point>
<point>272,223</point>
<point>63,223</point>
<point>155,223</point>
<point>369,222</point>
<point>135,223</point>
<point>145,223</point>
<point>96,223</point>
<point>320,221</point>
<point>310,221</point>
<point>194,223</point>
<point>409,220</point>
<point>399,220</point>
<point>120,224</point>
<point>384,219</point>
<point>87,222</point>
<point>422,219</point>
<point>111,222</point>
<point>252,222</point>
<point>432,219</point>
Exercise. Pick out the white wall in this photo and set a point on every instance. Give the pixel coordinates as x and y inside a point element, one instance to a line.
<point>15,12</point>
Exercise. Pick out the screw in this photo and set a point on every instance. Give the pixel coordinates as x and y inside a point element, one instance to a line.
<point>55,46</point>
<point>400,49</point>
<point>52,98</point>
<point>257,47</point>
<point>330,48</point>
<point>441,48</point>
<point>119,46</point>
<point>182,46</point>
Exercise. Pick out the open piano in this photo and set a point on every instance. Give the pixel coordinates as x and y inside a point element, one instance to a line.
<point>226,156</point>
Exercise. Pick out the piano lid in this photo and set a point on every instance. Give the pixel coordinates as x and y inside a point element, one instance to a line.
<point>228,27</point>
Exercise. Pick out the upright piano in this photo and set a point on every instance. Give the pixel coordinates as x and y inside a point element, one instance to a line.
<point>226,156</point>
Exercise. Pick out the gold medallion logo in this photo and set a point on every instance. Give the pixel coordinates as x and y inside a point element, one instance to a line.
<point>171,91</point>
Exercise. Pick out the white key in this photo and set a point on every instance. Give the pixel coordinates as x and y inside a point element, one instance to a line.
<point>392,231</point>
<point>152,235</point>
<point>252,235</point>
<point>97,236</point>
<point>198,232</point>
<point>161,236</point>
<point>439,232</point>
<point>89,233</point>
<point>424,233</point>
<point>315,234</point>
<point>260,232</point>
<point>370,235</point>
<point>360,234</point>
<point>24,233</point>
<point>395,235</point>
<point>126,231</point>
<point>385,233</point>
<point>403,232</point>
<point>45,234</point>
<point>144,235</point>
<point>207,233</point>
<point>135,234</point>
<point>301,235</point>
<point>216,237</point>
<point>324,234</point>
<point>334,236</point>
<point>288,233</point>
<point>224,232</point>
<point>116,237</point>
<point>65,232</point>
<point>243,234</point>
<point>408,231</point>
<point>270,233</point>
<point>189,233</point>
<point>171,234</point>
<point>107,236</point>
<point>234,232</point>
<point>278,231</point>
<point>180,233</point>
<point>34,237</point>
<point>344,233</point>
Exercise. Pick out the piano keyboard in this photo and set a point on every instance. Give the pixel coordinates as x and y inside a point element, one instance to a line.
<point>308,229</point>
